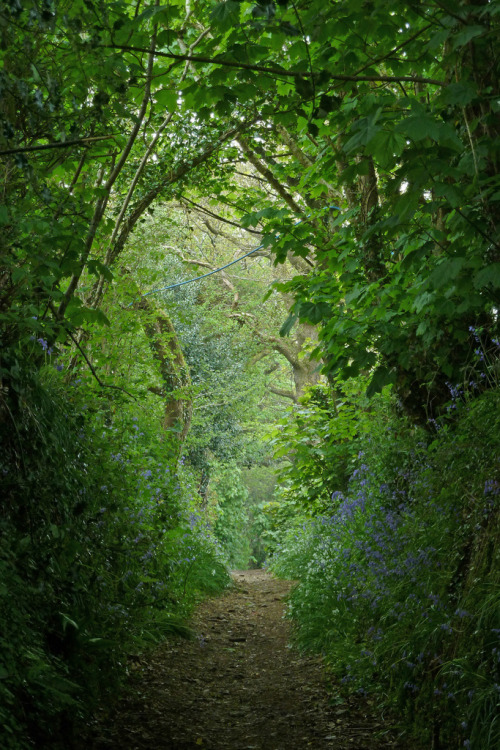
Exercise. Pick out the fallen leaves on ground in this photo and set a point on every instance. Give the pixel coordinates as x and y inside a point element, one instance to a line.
<point>237,685</point>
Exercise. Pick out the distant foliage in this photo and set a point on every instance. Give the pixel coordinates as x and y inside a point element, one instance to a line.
<point>232,521</point>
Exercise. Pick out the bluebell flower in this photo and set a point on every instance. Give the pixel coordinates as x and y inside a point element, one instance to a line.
<point>491,485</point>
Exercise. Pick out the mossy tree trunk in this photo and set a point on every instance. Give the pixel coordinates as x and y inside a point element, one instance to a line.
<point>174,371</point>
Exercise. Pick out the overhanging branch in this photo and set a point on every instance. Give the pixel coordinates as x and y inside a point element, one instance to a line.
<point>283,392</point>
<point>58,144</point>
<point>275,71</point>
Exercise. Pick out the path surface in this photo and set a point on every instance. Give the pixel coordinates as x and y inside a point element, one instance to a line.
<point>237,686</point>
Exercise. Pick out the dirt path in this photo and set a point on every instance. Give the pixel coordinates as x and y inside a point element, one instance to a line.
<point>237,686</point>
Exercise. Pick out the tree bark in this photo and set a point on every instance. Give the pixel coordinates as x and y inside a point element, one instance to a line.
<point>174,371</point>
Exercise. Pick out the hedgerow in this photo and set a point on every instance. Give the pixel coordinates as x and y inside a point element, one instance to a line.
<point>102,552</point>
<point>399,577</point>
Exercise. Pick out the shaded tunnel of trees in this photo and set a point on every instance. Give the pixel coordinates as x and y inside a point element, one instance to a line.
<point>327,406</point>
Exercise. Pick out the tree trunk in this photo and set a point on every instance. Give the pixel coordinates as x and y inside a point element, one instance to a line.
<point>174,371</point>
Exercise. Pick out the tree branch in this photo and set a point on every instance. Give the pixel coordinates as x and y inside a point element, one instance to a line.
<point>173,176</point>
<point>274,71</point>
<point>58,144</point>
<point>268,175</point>
<point>222,276</point>
<point>102,202</point>
<point>303,158</point>
<point>220,218</point>
<point>220,233</point>
<point>275,343</point>
<point>93,371</point>
<point>282,392</point>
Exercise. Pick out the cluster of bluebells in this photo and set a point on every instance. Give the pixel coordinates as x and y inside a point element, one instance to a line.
<point>45,346</point>
<point>367,549</point>
<point>392,575</point>
<point>161,539</point>
<point>491,487</point>
<point>374,568</point>
<point>486,355</point>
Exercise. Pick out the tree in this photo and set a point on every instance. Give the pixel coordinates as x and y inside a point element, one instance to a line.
<point>397,123</point>
<point>245,304</point>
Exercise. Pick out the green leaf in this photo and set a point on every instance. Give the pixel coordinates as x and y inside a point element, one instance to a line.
<point>356,292</point>
<point>385,146</point>
<point>167,98</point>
<point>458,94</point>
<point>79,315</point>
<point>364,130</point>
<point>251,220</point>
<point>423,300</point>
<point>303,87</point>
<point>445,272</point>
<point>381,377</point>
<point>489,276</point>
<point>288,324</point>
<point>437,41</point>
<point>68,622</point>
<point>19,274</point>
<point>422,327</point>
<point>98,268</point>
<point>315,312</point>
<point>418,127</point>
<point>226,14</point>
<point>452,195</point>
<point>313,129</point>
<point>464,37</point>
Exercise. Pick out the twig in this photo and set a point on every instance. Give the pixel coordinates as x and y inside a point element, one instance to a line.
<point>304,37</point>
<point>94,373</point>
<point>59,144</point>
<point>218,217</point>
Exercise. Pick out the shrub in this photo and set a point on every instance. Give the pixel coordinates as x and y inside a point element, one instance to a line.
<point>399,578</point>
<point>99,553</point>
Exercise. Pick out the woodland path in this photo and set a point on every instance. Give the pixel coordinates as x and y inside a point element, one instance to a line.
<point>236,686</point>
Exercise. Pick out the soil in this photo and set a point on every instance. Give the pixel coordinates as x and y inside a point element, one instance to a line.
<point>238,685</point>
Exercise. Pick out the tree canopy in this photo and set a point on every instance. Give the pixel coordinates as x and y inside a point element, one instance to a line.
<point>377,129</point>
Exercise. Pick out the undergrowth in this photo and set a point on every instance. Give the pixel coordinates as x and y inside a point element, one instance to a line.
<point>103,550</point>
<point>399,575</point>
